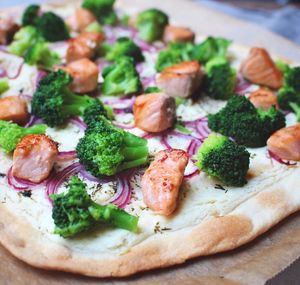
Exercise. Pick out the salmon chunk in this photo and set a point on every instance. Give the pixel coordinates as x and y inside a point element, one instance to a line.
<point>154,112</point>
<point>7,29</point>
<point>285,143</point>
<point>178,34</point>
<point>84,46</point>
<point>162,180</point>
<point>263,99</point>
<point>78,50</point>
<point>34,157</point>
<point>85,75</point>
<point>180,80</point>
<point>14,108</point>
<point>80,19</point>
<point>259,68</point>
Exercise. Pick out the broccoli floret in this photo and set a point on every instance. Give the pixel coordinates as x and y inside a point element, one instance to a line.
<point>211,48</point>
<point>292,78</point>
<point>4,85</point>
<point>282,65</point>
<point>52,27</point>
<point>95,111</point>
<point>40,54</point>
<point>30,15</point>
<point>94,27</point>
<point>151,24</point>
<point>220,79</point>
<point>106,149</point>
<point>124,20</point>
<point>102,9</point>
<point>23,40</point>
<point>54,102</point>
<point>75,212</point>
<point>290,91</point>
<point>11,134</point>
<point>287,95</point>
<point>121,78</point>
<point>175,53</point>
<point>124,47</point>
<point>248,126</point>
<point>222,158</point>
<point>152,89</point>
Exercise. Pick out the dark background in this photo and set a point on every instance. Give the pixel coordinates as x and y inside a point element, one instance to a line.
<point>279,16</point>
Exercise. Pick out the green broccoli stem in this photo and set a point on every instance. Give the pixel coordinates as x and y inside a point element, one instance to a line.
<point>135,151</point>
<point>36,129</point>
<point>111,214</point>
<point>296,109</point>
<point>74,105</point>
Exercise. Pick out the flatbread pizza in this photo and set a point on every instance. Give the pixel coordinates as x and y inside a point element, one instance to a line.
<point>128,143</point>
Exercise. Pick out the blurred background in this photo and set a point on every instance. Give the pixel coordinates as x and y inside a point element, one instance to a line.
<point>279,16</point>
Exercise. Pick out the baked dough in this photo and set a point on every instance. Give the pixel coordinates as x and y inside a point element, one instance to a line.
<point>208,220</point>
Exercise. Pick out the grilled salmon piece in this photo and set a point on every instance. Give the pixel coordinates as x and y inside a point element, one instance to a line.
<point>285,143</point>
<point>84,73</point>
<point>91,39</point>
<point>77,50</point>
<point>80,19</point>
<point>180,80</point>
<point>154,112</point>
<point>162,180</point>
<point>263,99</point>
<point>259,68</point>
<point>34,157</point>
<point>14,108</point>
<point>84,46</point>
<point>7,29</point>
<point>178,34</point>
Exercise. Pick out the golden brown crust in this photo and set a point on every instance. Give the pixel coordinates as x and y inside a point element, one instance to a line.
<point>214,235</point>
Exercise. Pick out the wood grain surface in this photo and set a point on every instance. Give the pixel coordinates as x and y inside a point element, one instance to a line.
<point>227,268</point>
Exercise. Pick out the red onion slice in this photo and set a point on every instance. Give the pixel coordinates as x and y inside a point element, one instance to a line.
<point>12,66</point>
<point>274,156</point>
<point>78,122</point>
<point>33,121</point>
<point>164,142</point>
<point>66,155</point>
<point>120,103</point>
<point>40,75</point>
<point>192,174</point>
<point>124,190</point>
<point>148,81</point>
<point>193,147</point>
<point>21,184</point>
<point>3,48</point>
<point>199,126</point>
<point>242,85</point>
<point>55,181</point>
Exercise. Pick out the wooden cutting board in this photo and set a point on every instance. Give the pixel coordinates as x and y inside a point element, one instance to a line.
<point>249,264</point>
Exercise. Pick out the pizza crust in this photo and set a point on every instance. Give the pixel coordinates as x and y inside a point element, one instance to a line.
<point>243,224</point>
<point>248,220</point>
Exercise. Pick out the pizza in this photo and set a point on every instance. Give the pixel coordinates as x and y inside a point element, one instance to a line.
<point>129,143</point>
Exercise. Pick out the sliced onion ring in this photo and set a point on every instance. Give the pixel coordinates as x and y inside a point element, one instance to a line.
<point>274,156</point>
<point>66,155</point>
<point>21,184</point>
<point>78,122</point>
